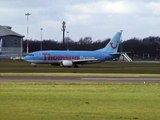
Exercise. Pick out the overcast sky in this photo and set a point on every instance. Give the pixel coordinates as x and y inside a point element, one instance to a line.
<point>99,19</point>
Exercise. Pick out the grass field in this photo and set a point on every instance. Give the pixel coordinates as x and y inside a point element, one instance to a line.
<point>108,67</point>
<point>79,101</point>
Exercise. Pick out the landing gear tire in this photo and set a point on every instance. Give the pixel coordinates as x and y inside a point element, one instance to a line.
<point>61,65</point>
<point>34,65</point>
<point>75,66</point>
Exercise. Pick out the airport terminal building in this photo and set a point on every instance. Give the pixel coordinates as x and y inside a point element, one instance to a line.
<point>11,43</point>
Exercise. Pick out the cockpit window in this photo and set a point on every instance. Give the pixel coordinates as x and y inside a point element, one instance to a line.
<point>31,55</point>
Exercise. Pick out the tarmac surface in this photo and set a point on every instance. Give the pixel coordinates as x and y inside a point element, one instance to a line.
<point>79,79</point>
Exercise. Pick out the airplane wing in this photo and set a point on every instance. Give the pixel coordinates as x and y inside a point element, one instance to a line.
<point>85,61</point>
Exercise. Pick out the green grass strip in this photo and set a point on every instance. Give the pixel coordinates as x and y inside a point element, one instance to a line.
<point>51,101</point>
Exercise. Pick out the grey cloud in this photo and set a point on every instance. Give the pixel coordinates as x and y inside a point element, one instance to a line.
<point>140,15</point>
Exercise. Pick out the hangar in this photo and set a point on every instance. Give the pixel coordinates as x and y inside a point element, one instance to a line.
<point>11,43</point>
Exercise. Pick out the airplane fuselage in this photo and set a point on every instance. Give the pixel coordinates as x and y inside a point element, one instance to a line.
<point>58,56</point>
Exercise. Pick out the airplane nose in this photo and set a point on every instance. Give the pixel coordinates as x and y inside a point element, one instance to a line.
<point>25,58</point>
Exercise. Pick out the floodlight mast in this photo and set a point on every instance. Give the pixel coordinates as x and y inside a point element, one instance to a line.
<point>41,47</point>
<point>63,30</point>
<point>27,37</point>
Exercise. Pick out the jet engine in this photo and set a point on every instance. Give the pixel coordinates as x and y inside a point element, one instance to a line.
<point>67,63</point>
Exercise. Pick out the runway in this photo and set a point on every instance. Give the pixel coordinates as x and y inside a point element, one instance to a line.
<point>79,79</point>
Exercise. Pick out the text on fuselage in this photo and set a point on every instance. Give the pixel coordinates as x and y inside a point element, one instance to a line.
<point>49,57</point>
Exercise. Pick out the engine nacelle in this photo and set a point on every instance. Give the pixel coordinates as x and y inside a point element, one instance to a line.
<point>67,63</point>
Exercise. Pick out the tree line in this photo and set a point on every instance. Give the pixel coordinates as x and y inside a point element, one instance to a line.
<point>138,49</point>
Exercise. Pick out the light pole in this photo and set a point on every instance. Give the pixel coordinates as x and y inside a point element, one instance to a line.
<point>67,41</point>
<point>41,38</point>
<point>63,30</point>
<point>27,14</point>
<point>68,34</point>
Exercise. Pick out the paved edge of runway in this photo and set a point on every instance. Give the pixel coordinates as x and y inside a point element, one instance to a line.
<point>80,74</point>
<point>79,79</point>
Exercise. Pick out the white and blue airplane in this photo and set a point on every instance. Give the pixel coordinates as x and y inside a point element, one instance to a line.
<point>73,58</point>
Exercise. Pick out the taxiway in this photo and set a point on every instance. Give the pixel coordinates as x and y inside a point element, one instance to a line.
<point>78,79</point>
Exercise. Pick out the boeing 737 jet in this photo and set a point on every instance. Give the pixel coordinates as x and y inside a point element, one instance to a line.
<point>73,58</point>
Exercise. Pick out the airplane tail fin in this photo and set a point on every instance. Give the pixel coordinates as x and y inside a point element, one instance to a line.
<point>113,45</point>
<point>0,45</point>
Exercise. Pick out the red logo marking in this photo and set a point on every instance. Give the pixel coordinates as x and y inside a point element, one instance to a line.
<point>112,45</point>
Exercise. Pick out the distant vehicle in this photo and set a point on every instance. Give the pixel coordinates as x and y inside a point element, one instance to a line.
<point>74,58</point>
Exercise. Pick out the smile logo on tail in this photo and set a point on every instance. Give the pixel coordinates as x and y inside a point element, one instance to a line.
<point>113,46</point>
